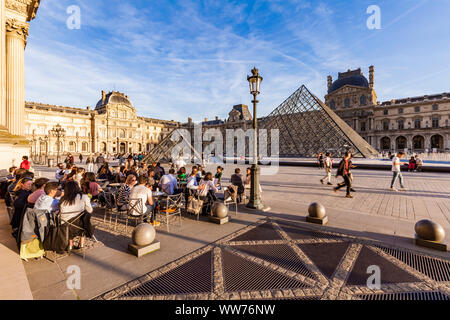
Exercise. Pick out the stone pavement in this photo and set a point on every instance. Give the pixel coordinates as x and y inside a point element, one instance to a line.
<point>275,259</point>
<point>375,214</point>
<point>13,279</point>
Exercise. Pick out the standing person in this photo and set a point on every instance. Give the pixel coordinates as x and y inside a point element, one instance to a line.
<point>179,163</point>
<point>344,170</point>
<point>328,167</point>
<point>238,181</point>
<point>396,170</point>
<point>100,160</point>
<point>320,160</point>
<point>90,163</point>
<point>25,164</point>
<point>218,177</point>
<point>81,158</point>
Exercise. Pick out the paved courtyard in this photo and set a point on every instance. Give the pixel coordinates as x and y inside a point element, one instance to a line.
<point>302,260</point>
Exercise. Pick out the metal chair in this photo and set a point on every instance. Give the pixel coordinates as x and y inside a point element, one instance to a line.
<point>171,206</point>
<point>135,212</point>
<point>230,196</point>
<point>10,212</point>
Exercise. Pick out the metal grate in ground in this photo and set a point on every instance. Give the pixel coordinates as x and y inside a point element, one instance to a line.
<point>436,269</point>
<point>298,233</point>
<point>326,256</point>
<point>389,272</point>
<point>243,275</point>
<point>260,233</point>
<point>429,295</point>
<point>194,276</point>
<point>279,254</point>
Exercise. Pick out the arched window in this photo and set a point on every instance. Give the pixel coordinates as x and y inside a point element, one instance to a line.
<point>84,147</point>
<point>72,146</point>
<point>122,133</point>
<point>363,100</point>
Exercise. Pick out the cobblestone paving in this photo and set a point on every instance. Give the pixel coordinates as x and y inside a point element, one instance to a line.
<point>276,259</point>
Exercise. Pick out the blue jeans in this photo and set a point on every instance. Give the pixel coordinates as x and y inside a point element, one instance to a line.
<point>397,174</point>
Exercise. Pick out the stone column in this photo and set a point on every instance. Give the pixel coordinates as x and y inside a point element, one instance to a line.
<point>2,64</point>
<point>16,34</point>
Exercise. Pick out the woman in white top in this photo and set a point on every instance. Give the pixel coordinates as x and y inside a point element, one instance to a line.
<point>71,205</point>
<point>207,192</point>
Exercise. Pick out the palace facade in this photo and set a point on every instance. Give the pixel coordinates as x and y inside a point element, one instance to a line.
<point>112,127</point>
<point>415,124</point>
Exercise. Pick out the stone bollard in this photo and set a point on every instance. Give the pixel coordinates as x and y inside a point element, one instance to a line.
<point>143,240</point>
<point>220,213</point>
<point>316,214</point>
<point>429,234</point>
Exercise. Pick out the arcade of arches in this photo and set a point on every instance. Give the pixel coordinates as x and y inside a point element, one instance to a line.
<point>417,143</point>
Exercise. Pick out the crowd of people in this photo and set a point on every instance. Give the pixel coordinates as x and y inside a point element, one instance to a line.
<point>77,188</point>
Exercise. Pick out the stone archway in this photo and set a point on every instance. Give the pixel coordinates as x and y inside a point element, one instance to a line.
<point>401,143</point>
<point>385,143</point>
<point>437,142</point>
<point>418,143</point>
<point>122,148</point>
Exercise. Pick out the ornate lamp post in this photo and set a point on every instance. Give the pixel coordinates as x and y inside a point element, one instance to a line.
<point>255,197</point>
<point>59,133</point>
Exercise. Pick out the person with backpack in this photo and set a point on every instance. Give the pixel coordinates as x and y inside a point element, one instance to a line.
<point>344,170</point>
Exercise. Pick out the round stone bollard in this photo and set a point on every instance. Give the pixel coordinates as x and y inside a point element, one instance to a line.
<point>317,214</point>
<point>430,234</point>
<point>220,210</point>
<point>143,234</point>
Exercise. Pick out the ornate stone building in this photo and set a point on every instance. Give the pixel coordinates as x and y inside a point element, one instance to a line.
<point>417,124</point>
<point>15,16</point>
<point>112,127</point>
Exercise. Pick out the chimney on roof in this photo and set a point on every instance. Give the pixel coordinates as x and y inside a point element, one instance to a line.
<point>330,81</point>
<point>371,77</point>
<point>103,96</point>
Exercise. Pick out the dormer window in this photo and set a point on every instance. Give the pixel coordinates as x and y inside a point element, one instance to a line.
<point>363,100</point>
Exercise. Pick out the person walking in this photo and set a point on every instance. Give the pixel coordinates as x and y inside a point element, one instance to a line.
<point>396,170</point>
<point>328,167</point>
<point>81,158</point>
<point>344,170</point>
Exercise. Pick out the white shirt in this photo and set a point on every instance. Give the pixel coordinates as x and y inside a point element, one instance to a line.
<point>140,192</point>
<point>395,164</point>
<point>44,202</point>
<point>81,204</point>
<point>192,183</point>
<point>328,162</point>
<point>209,185</point>
<point>180,163</point>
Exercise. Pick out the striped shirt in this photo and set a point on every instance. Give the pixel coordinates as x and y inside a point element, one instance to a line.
<point>123,195</point>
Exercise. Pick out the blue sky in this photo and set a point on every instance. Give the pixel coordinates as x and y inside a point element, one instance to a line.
<point>190,58</point>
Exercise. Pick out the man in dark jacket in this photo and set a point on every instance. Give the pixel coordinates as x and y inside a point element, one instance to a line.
<point>344,170</point>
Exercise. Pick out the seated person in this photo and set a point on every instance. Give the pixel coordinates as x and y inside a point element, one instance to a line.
<point>71,206</point>
<point>123,196</point>
<point>248,178</point>
<point>236,180</point>
<point>412,164</point>
<point>218,177</point>
<point>59,175</point>
<point>47,201</point>
<point>39,186</point>
<point>79,175</point>
<point>11,176</point>
<point>22,191</point>
<point>169,183</point>
<point>143,191</point>
<point>94,187</point>
<point>208,193</point>
<point>182,175</point>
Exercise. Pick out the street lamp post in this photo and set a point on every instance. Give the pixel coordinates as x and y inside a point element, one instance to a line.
<point>255,197</point>
<point>59,133</point>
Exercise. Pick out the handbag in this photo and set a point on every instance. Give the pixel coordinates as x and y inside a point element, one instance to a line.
<point>194,205</point>
<point>56,236</point>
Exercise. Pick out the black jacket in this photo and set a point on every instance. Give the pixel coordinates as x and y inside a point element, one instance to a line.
<point>341,169</point>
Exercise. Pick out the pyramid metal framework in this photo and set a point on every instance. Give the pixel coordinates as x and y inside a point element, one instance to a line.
<point>307,126</point>
<point>163,150</point>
